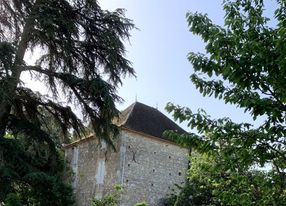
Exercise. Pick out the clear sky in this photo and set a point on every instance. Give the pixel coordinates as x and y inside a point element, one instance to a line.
<point>159,51</point>
<point>159,55</point>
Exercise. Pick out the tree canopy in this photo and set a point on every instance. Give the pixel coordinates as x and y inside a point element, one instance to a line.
<point>244,61</point>
<point>210,183</point>
<point>82,59</point>
<point>243,65</point>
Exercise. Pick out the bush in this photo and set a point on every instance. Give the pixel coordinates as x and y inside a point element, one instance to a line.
<point>12,199</point>
<point>111,199</point>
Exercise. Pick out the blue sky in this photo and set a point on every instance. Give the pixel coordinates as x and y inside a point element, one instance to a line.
<point>159,55</point>
<point>159,49</point>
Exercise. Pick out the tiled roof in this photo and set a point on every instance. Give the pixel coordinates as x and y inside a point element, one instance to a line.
<point>146,119</point>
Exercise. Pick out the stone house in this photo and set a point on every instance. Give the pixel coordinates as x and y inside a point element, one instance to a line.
<point>145,164</point>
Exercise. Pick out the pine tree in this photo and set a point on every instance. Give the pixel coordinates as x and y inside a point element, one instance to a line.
<point>82,58</point>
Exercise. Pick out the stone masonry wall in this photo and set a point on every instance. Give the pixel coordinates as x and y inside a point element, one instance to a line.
<point>147,168</point>
<point>95,170</point>
<point>151,168</point>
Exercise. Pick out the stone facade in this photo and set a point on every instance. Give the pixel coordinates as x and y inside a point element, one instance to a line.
<point>146,166</point>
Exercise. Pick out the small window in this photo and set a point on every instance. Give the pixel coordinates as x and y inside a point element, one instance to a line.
<point>179,173</point>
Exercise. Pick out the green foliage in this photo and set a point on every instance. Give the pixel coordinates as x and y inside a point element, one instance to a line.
<point>82,61</point>
<point>111,199</point>
<point>244,65</point>
<point>141,204</point>
<point>108,200</point>
<point>12,199</point>
<point>33,174</point>
<point>209,183</point>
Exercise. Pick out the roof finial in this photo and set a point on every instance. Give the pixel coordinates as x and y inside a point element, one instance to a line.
<point>157,106</point>
<point>135,97</point>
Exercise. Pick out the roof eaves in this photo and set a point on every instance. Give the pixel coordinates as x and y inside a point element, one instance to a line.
<point>151,136</point>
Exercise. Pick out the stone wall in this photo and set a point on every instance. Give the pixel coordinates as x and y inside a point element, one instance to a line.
<point>94,168</point>
<point>151,168</point>
<point>147,167</point>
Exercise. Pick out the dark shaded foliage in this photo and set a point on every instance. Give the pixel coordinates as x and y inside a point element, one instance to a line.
<point>82,61</point>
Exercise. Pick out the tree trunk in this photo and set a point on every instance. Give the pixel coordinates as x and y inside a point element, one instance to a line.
<point>11,86</point>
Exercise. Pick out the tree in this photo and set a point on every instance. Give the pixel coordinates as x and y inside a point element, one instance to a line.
<point>209,183</point>
<point>244,65</point>
<point>82,61</point>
